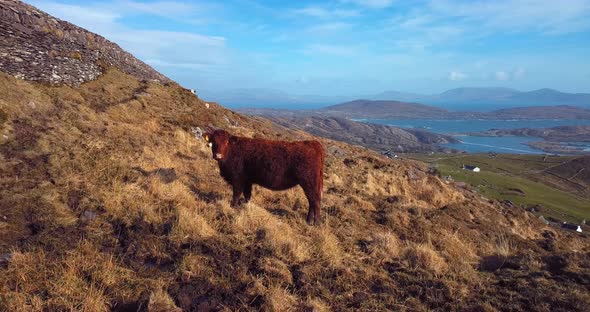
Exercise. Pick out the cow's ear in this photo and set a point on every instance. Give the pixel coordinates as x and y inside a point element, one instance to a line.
<point>207,137</point>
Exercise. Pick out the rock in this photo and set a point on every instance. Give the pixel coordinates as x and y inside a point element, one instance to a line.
<point>230,122</point>
<point>167,175</point>
<point>5,259</point>
<point>507,203</point>
<point>88,216</point>
<point>337,151</point>
<point>359,297</point>
<point>412,175</point>
<point>461,185</point>
<point>197,132</point>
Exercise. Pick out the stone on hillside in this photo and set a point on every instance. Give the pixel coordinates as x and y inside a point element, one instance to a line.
<point>5,259</point>
<point>88,216</point>
<point>197,132</point>
<point>337,151</point>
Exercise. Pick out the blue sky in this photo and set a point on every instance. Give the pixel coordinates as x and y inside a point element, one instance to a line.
<point>349,47</point>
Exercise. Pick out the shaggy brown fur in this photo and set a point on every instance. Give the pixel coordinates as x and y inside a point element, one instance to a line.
<point>276,165</point>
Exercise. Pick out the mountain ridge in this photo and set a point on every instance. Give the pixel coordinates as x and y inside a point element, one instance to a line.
<point>457,99</point>
<point>380,109</point>
<point>381,138</point>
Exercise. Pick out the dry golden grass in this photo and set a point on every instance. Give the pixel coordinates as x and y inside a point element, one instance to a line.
<point>78,281</point>
<point>275,234</point>
<point>276,271</point>
<point>385,246</point>
<point>279,299</point>
<point>423,257</point>
<point>328,247</point>
<point>107,200</point>
<point>190,225</point>
<point>315,305</point>
<point>459,254</point>
<point>160,301</point>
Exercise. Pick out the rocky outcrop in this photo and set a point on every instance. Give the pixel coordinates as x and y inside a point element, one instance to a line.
<point>374,136</point>
<point>36,46</point>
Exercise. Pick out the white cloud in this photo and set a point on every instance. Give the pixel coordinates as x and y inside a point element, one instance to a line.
<point>443,22</point>
<point>168,9</point>
<point>502,76</point>
<point>419,30</point>
<point>416,21</point>
<point>481,64</point>
<point>425,36</point>
<point>548,16</point>
<point>94,20</point>
<point>302,80</point>
<point>96,12</point>
<point>373,4</point>
<point>328,27</point>
<point>457,76</point>
<point>519,73</point>
<point>329,49</point>
<point>320,12</point>
<point>176,47</point>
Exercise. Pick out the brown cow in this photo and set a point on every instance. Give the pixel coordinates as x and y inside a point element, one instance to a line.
<point>276,165</point>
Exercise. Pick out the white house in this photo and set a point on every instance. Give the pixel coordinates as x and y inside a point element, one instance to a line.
<point>471,168</point>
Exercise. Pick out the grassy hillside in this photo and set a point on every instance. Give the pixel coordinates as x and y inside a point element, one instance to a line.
<point>109,202</point>
<point>576,171</point>
<point>528,180</point>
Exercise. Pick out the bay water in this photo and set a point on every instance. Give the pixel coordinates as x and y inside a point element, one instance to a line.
<point>480,144</point>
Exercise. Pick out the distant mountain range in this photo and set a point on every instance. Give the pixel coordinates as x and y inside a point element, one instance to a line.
<point>247,98</point>
<point>460,99</point>
<point>485,99</point>
<point>368,109</point>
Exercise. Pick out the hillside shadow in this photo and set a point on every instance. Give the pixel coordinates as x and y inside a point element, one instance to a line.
<point>166,175</point>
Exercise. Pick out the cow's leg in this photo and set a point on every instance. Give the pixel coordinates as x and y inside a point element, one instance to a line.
<point>313,198</point>
<point>317,207</point>
<point>248,191</point>
<point>238,187</point>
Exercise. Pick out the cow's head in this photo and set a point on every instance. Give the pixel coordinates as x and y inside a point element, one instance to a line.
<point>219,141</point>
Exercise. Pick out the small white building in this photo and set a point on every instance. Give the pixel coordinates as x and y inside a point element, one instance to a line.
<point>471,168</point>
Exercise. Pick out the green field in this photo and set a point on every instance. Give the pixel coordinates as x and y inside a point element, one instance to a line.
<point>518,178</point>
